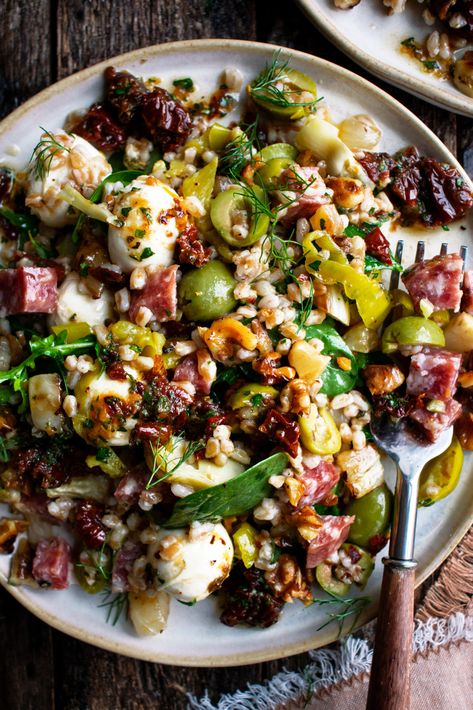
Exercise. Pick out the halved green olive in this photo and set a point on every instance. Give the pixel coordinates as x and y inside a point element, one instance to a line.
<point>277,150</point>
<point>288,93</point>
<point>329,583</point>
<point>207,293</point>
<point>225,209</point>
<point>268,175</point>
<point>373,517</point>
<point>361,560</point>
<point>218,136</point>
<point>251,394</point>
<point>412,330</point>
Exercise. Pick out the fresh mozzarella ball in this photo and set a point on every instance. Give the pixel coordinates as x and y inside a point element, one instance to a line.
<point>73,306</point>
<point>152,217</point>
<point>106,407</point>
<point>194,563</point>
<point>79,164</point>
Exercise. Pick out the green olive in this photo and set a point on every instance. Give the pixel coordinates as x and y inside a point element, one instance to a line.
<point>289,94</point>
<point>330,583</point>
<point>268,175</point>
<point>277,150</point>
<point>373,517</point>
<point>207,293</point>
<point>231,201</point>
<point>94,576</point>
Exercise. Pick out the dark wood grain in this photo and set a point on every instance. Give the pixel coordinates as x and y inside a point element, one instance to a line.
<point>389,687</point>
<point>45,40</point>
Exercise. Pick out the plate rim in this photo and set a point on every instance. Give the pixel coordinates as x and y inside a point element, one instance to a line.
<point>383,70</point>
<point>318,638</point>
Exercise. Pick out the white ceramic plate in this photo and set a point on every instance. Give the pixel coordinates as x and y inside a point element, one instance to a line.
<point>194,635</point>
<point>372,38</point>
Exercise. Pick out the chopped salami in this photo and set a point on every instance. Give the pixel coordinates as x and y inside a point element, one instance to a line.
<point>331,536</point>
<point>131,486</point>
<point>433,373</point>
<point>306,182</point>
<point>123,565</point>
<point>28,289</point>
<point>188,371</point>
<point>434,423</point>
<point>51,563</point>
<point>437,280</point>
<point>318,482</point>
<point>159,294</point>
<point>467,300</point>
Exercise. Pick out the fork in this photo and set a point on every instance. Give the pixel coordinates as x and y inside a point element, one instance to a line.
<point>389,687</point>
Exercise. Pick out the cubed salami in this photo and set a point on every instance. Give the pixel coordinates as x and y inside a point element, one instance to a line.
<point>318,482</point>
<point>433,373</point>
<point>159,295</point>
<point>28,289</point>
<point>434,423</point>
<point>131,485</point>
<point>51,563</point>
<point>313,193</point>
<point>189,371</point>
<point>123,565</point>
<point>437,280</point>
<point>331,536</point>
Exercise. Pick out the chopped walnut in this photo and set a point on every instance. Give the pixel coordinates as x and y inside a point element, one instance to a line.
<point>287,581</point>
<point>295,397</point>
<point>307,522</point>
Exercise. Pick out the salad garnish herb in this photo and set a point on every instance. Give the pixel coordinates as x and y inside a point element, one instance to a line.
<point>169,459</point>
<point>115,604</point>
<point>239,152</point>
<point>349,608</point>
<point>269,86</point>
<point>44,153</point>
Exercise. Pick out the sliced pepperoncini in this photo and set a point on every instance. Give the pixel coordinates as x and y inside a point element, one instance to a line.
<point>74,331</point>
<point>244,539</point>
<point>372,301</point>
<point>127,333</point>
<point>319,433</point>
<point>201,183</point>
<point>247,395</point>
<point>440,476</point>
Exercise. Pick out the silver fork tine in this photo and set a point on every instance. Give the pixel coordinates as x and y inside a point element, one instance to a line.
<point>443,249</point>
<point>394,282</point>
<point>464,255</point>
<point>420,251</point>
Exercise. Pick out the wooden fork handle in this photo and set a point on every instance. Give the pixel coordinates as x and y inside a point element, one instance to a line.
<point>389,687</point>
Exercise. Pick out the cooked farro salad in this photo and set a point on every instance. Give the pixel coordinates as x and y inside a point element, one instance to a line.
<point>195,331</point>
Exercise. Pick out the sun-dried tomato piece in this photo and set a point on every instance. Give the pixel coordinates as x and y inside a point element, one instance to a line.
<point>124,92</point>
<point>165,403</point>
<point>249,599</point>
<point>153,431</point>
<point>190,248</point>
<point>166,119</point>
<point>377,245</point>
<point>99,128</point>
<point>282,430</point>
<point>378,166</point>
<point>89,525</point>
<point>270,373</point>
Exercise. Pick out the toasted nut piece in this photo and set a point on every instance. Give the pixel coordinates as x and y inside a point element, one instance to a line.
<point>226,333</point>
<point>307,522</point>
<point>465,379</point>
<point>328,219</point>
<point>295,489</point>
<point>364,470</point>
<point>381,379</point>
<point>464,430</point>
<point>347,192</point>
<point>308,363</point>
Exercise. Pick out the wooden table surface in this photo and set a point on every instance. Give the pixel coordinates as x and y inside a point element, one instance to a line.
<point>43,41</point>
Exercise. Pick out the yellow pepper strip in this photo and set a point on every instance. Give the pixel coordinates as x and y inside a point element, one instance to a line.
<point>218,136</point>
<point>319,433</point>
<point>109,463</point>
<point>127,333</point>
<point>440,476</point>
<point>244,539</point>
<point>224,333</point>
<point>201,183</point>
<point>245,396</point>
<point>74,331</point>
<point>372,301</point>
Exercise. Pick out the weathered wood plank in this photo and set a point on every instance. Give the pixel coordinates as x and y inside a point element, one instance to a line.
<point>25,51</point>
<point>26,659</point>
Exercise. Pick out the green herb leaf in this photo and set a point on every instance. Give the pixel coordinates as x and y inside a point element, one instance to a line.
<point>372,264</point>
<point>187,84</point>
<point>235,497</point>
<point>334,380</point>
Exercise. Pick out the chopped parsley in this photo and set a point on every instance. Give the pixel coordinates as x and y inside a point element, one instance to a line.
<point>187,84</point>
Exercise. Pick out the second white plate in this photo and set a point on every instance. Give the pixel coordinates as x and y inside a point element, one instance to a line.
<point>372,39</point>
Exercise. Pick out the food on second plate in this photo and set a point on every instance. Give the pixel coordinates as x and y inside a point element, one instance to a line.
<point>195,333</point>
<point>442,51</point>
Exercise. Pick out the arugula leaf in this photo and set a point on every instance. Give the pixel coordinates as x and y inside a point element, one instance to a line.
<point>53,346</point>
<point>123,176</point>
<point>235,497</point>
<point>334,379</point>
<point>374,264</point>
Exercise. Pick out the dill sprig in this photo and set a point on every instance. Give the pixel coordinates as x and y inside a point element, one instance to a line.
<point>349,608</point>
<point>44,153</point>
<point>115,604</point>
<point>169,459</point>
<point>269,86</point>
<point>238,153</point>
